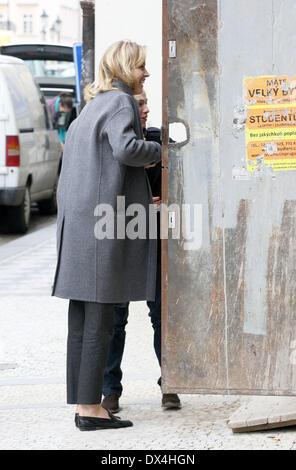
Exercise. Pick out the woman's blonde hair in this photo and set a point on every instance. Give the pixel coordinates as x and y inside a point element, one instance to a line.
<point>117,62</point>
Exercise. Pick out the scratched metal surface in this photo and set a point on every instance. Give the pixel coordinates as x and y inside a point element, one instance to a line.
<point>230,305</point>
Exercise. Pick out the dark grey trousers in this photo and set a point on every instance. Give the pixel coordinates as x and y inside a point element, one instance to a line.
<point>90,329</point>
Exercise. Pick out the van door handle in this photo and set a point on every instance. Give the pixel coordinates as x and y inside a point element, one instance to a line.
<point>47,143</point>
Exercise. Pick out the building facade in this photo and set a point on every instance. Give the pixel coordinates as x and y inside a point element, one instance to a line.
<point>26,21</point>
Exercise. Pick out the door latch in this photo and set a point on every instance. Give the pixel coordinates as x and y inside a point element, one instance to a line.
<point>172,49</point>
<point>172,220</point>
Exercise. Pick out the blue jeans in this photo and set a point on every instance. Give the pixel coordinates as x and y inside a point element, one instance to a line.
<point>113,372</point>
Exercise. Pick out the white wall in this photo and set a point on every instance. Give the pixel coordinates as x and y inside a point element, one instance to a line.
<point>140,21</point>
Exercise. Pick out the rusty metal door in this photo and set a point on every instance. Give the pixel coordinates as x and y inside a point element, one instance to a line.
<point>229,303</point>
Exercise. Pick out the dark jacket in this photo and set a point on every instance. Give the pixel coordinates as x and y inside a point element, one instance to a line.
<point>154,173</point>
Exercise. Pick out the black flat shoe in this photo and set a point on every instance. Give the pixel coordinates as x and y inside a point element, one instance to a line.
<point>76,419</point>
<point>87,423</point>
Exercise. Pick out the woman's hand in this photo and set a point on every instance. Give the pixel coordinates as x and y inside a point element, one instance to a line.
<point>151,165</point>
<point>156,202</point>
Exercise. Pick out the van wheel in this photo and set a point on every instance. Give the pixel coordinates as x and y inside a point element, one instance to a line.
<point>19,216</point>
<point>49,206</point>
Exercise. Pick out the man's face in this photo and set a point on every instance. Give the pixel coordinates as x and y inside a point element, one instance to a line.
<point>64,109</point>
<point>144,110</point>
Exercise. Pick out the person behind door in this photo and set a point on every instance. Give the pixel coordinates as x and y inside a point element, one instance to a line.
<point>104,157</point>
<point>112,388</point>
<point>61,109</point>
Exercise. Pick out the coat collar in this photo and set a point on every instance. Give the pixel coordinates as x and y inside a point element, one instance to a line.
<point>122,86</point>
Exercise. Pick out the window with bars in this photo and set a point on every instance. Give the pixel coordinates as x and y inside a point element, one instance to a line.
<point>28,24</point>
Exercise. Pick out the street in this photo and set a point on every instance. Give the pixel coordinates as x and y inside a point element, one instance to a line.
<point>33,411</point>
<point>37,221</point>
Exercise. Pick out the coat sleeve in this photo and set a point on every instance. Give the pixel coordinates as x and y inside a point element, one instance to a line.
<point>127,149</point>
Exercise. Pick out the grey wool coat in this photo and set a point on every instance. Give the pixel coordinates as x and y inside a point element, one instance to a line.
<point>104,157</point>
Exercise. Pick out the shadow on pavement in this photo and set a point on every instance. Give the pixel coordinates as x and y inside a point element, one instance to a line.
<point>37,221</point>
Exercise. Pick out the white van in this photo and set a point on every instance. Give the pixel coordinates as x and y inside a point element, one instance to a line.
<point>30,151</point>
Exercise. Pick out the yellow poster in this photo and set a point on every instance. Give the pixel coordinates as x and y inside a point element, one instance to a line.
<point>269,90</point>
<point>271,122</point>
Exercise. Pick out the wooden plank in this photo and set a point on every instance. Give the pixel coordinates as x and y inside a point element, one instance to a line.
<point>266,427</point>
<point>262,413</point>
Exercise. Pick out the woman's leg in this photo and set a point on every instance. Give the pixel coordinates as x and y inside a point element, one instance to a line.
<point>97,334</point>
<point>90,332</point>
<point>74,347</point>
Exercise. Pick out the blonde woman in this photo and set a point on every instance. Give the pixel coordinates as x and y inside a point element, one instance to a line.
<point>104,157</point>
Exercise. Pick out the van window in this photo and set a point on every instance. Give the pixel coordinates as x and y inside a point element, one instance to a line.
<point>50,68</point>
<point>48,120</point>
<point>25,96</point>
<point>19,103</point>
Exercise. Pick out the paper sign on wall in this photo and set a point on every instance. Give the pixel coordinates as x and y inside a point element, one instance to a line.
<point>271,122</point>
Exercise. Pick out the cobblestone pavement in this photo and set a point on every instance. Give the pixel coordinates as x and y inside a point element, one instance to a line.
<point>33,329</point>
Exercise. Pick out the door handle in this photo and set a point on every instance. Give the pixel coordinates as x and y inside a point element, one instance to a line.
<point>178,133</point>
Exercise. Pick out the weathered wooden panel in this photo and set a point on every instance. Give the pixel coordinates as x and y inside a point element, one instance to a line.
<point>263,413</point>
<point>229,304</point>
